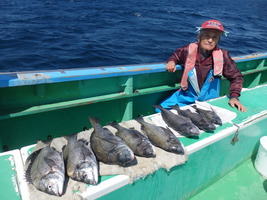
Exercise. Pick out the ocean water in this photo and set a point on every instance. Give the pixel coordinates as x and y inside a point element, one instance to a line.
<point>64,34</point>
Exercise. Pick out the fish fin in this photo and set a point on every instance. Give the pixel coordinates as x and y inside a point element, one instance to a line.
<point>74,135</point>
<point>86,152</point>
<point>51,163</point>
<point>63,147</point>
<point>32,156</point>
<point>213,110</point>
<point>167,130</point>
<point>28,165</point>
<point>140,119</point>
<point>93,120</point>
<point>27,174</point>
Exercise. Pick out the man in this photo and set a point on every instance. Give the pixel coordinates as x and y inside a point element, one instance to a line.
<point>204,63</point>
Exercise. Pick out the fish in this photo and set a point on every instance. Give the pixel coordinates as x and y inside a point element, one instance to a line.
<point>81,163</point>
<point>199,120</point>
<point>46,170</point>
<point>138,143</point>
<point>107,147</point>
<point>181,124</point>
<point>209,114</point>
<point>161,137</point>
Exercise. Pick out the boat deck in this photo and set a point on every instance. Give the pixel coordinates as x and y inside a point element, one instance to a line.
<point>241,183</point>
<point>205,164</point>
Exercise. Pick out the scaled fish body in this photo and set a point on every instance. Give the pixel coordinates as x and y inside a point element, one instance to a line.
<point>138,143</point>
<point>109,148</point>
<point>81,164</point>
<point>161,137</point>
<point>179,123</point>
<point>199,120</point>
<point>46,170</point>
<point>209,114</point>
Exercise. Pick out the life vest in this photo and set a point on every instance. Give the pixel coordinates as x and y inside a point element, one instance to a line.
<point>189,93</point>
<point>191,61</point>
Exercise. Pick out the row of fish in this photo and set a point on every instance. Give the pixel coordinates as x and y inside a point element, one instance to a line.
<point>189,123</point>
<point>121,147</point>
<point>79,158</point>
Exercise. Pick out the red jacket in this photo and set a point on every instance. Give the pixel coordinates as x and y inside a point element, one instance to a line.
<point>230,71</point>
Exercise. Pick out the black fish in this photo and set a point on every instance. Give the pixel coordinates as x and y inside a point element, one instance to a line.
<point>46,170</point>
<point>209,114</point>
<point>179,123</point>
<point>81,164</point>
<point>161,137</point>
<point>107,147</point>
<point>199,120</point>
<point>139,144</point>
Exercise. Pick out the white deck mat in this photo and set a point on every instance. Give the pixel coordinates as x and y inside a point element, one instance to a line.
<point>224,114</point>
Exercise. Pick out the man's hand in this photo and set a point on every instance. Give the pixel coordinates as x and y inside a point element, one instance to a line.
<point>236,103</point>
<point>170,66</point>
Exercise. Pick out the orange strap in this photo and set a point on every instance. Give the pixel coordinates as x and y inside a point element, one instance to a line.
<point>191,60</point>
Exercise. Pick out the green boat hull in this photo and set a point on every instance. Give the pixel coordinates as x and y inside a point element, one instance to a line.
<point>43,105</point>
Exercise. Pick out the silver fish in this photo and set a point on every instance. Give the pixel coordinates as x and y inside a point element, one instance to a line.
<point>138,143</point>
<point>46,170</point>
<point>199,120</point>
<point>161,137</point>
<point>209,114</point>
<point>179,123</point>
<point>107,147</point>
<point>81,163</point>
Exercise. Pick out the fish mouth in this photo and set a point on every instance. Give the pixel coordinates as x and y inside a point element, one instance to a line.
<point>86,172</point>
<point>193,132</point>
<point>149,152</point>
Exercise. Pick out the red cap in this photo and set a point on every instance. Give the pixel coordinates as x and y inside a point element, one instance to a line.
<point>213,24</point>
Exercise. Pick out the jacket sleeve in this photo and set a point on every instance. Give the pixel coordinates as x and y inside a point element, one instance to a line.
<point>179,55</point>
<point>233,74</point>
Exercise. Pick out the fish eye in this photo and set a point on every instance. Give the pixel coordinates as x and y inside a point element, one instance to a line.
<point>85,176</point>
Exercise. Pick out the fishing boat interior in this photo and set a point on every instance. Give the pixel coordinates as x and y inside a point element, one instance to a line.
<point>43,105</point>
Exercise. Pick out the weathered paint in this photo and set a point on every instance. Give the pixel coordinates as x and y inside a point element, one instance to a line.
<point>8,182</point>
<point>55,76</point>
<point>41,111</point>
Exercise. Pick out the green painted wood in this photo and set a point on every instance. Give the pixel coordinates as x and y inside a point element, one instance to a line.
<point>8,179</point>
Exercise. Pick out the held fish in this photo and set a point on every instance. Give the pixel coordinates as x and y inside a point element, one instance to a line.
<point>209,114</point>
<point>107,147</point>
<point>161,137</point>
<point>81,163</point>
<point>138,143</point>
<point>181,124</point>
<point>199,120</point>
<point>46,170</point>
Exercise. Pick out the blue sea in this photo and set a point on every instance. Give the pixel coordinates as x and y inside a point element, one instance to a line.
<point>64,34</point>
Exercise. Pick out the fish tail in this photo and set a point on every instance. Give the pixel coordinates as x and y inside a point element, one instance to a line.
<point>114,123</point>
<point>93,120</point>
<point>176,106</point>
<point>158,106</point>
<point>140,118</point>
